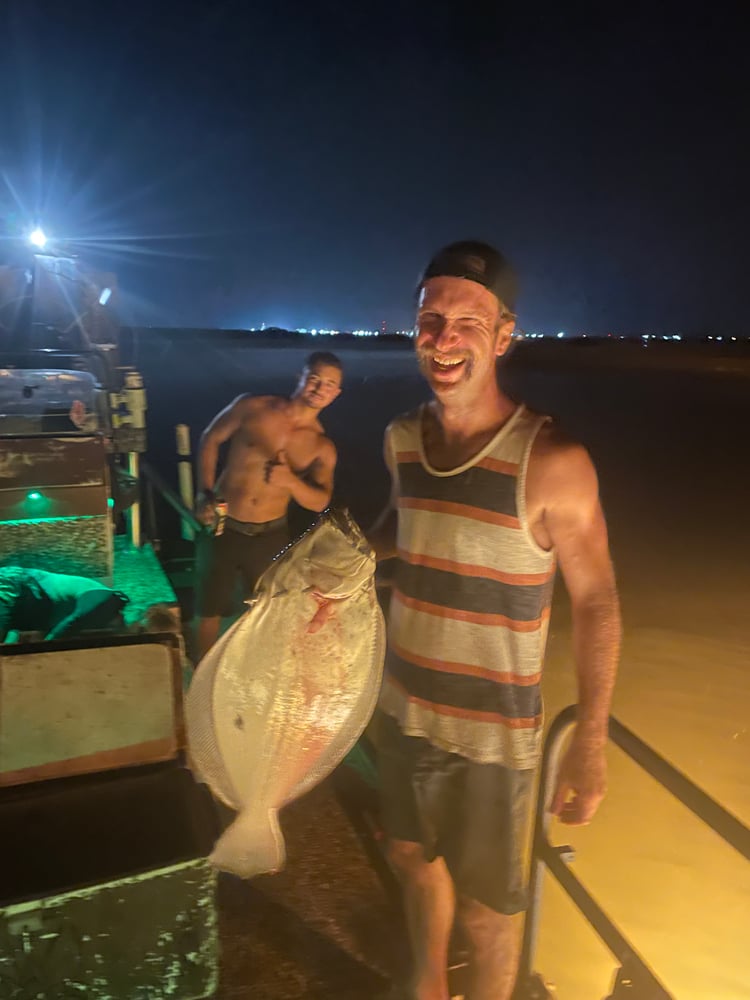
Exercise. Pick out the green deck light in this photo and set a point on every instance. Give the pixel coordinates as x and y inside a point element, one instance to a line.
<point>110,502</point>
<point>37,504</point>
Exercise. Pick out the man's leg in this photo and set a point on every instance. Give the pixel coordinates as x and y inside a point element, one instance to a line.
<point>429,902</point>
<point>428,891</point>
<point>494,945</point>
<point>484,842</point>
<point>205,634</point>
<point>215,576</point>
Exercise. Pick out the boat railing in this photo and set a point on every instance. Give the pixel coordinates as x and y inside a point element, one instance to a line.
<point>155,484</point>
<point>634,978</point>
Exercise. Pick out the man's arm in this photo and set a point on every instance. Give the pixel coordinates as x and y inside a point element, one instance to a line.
<point>313,488</point>
<point>94,609</point>
<point>575,524</point>
<point>382,535</point>
<point>221,429</point>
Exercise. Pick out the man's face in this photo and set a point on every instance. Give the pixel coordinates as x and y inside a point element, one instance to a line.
<point>319,385</point>
<point>459,333</point>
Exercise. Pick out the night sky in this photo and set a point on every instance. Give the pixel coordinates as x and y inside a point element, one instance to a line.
<point>241,163</point>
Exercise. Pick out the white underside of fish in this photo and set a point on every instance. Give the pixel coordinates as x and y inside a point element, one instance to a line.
<point>273,708</point>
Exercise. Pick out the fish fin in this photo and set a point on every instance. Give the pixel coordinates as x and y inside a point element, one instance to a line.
<point>252,845</point>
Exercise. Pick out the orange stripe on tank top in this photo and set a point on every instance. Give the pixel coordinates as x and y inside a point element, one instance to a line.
<point>473,617</point>
<point>460,510</point>
<point>466,669</point>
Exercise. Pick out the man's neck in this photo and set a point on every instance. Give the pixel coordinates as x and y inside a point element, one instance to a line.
<point>302,415</point>
<point>465,419</point>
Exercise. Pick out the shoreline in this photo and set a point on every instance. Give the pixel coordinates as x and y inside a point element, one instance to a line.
<point>602,354</point>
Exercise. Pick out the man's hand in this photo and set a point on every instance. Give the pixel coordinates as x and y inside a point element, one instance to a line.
<point>581,783</point>
<point>205,509</point>
<point>279,473</point>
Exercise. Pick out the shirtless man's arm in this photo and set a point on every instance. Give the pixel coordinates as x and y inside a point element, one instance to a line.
<point>382,538</point>
<point>221,429</point>
<point>565,513</point>
<point>311,489</point>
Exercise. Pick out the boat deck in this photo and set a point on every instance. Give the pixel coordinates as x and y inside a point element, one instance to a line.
<point>138,573</point>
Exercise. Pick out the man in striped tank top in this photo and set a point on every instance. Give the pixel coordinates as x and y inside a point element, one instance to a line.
<point>487,500</point>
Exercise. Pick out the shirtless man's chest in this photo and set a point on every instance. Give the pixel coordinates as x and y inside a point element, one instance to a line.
<point>266,432</point>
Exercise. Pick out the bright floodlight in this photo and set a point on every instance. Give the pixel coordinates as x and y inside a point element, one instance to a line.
<point>38,238</point>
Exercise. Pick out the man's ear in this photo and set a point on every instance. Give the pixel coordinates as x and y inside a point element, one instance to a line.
<point>504,335</point>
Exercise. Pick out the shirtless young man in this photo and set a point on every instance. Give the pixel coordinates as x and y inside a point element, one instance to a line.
<point>488,498</point>
<point>278,452</point>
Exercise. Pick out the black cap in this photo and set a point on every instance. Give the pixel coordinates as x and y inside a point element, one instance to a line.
<point>478,262</point>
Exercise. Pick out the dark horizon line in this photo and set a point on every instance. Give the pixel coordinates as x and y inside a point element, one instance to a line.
<point>305,333</point>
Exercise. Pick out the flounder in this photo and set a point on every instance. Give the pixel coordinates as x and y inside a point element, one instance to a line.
<point>273,707</point>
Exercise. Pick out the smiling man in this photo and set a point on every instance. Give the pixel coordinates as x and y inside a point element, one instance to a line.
<point>487,499</point>
<point>278,452</point>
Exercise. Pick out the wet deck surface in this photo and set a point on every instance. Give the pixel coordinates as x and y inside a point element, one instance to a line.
<point>323,928</point>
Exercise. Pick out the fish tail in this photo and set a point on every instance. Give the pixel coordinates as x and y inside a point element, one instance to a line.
<point>252,845</point>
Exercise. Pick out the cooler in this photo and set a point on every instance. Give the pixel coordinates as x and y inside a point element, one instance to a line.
<point>105,890</point>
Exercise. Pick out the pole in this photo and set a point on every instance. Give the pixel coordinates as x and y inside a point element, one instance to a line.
<point>132,426</point>
<point>134,513</point>
<point>185,474</point>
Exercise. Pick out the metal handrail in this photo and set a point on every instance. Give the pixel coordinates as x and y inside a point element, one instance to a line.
<point>556,859</point>
<point>171,496</point>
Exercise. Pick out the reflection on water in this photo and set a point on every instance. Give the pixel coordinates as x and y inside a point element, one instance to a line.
<point>671,450</point>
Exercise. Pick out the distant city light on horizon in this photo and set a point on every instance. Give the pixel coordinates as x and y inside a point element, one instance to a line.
<point>644,339</point>
<point>325,332</point>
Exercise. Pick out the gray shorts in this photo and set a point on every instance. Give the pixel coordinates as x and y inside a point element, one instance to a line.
<point>475,816</point>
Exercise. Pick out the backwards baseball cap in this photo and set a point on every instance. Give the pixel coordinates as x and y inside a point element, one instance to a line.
<point>478,262</point>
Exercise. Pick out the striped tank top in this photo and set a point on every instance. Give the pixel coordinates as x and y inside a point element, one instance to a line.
<point>471,598</point>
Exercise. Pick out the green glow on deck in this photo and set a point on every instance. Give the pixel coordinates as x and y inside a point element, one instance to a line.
<point>49,520</point>
<point>138,573</point>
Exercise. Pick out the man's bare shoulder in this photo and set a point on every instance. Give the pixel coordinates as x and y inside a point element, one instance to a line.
<point>559,464</point>
<point>326,446</point>
<point>552,443</point>
<point>255,405</point>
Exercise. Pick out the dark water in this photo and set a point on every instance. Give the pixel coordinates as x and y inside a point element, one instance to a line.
<point>671,450</point>
<point>670,447</point>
